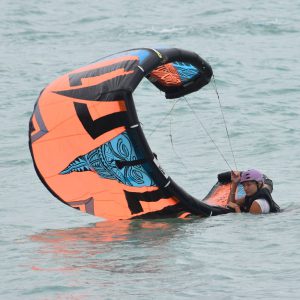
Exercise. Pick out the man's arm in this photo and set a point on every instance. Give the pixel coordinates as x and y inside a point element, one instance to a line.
<point>236,204</point>
<point>255,208</point>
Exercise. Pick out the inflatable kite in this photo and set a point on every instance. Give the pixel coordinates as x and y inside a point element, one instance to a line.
<point>88,147</point>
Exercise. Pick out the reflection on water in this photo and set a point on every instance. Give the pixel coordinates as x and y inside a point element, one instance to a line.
<point>102,232</point>
<point>120,246</point>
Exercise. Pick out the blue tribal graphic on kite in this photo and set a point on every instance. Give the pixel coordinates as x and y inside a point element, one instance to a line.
<point>186,71</point>
<point>102,160</point>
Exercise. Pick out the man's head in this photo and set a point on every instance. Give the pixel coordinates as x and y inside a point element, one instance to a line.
<point>252,180</point>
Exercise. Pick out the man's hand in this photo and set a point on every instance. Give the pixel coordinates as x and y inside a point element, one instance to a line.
<point>235,176</point>
<point>235,206</point>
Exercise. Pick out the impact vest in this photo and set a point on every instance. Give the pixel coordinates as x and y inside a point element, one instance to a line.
<point>263,193</point>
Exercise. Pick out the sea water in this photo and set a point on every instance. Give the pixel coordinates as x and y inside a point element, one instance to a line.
<point>50,251</point>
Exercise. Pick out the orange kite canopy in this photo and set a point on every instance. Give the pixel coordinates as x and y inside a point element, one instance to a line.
<point>88,147</point>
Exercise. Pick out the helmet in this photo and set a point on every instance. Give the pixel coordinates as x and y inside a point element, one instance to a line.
<point>250,175</point>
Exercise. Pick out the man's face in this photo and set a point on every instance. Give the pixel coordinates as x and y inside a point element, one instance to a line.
<point>250,187</point>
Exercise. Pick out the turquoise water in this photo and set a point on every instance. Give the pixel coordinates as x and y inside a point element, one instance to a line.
<point>50,251</point>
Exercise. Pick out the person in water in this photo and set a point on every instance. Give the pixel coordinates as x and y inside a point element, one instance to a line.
<point>258,199</point>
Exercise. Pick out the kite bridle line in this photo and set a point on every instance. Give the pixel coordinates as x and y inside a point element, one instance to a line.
<point>173,147</point>
<point>164,117</point>
<point>224,120</point>
<point>169,113</point>
<point>207,133</point>
<point>225,125</point>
